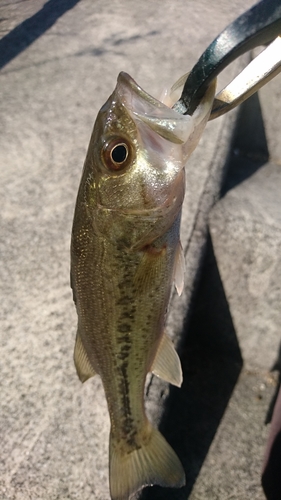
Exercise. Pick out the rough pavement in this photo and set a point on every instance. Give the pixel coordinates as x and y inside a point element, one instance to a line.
<point>53,431</point>
<point>245,228</point>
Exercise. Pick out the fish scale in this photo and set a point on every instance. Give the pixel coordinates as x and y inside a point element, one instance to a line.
<point>130,332</point>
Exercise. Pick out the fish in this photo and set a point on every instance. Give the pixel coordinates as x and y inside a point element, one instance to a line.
<point>125,256</point>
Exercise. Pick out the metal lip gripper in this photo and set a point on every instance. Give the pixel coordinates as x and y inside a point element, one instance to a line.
<point>260,25</point>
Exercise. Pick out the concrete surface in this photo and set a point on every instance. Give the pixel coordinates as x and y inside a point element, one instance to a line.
<point>53,431</point>
<point>245,226</point>
<point>233,465</point>
<point>246,233</point>
<point>245,242</point>
<point>269,97</point>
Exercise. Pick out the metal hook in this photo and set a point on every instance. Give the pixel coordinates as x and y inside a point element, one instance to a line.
<point>258,26</point>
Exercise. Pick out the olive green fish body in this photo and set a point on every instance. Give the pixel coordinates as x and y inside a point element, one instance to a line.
<point>121,319</point>
<point>125,256</point>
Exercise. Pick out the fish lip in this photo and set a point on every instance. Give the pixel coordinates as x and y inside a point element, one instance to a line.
<point>159,117</point>
<point>126,81</point>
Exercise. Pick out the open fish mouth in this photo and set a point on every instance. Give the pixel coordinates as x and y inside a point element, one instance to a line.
<point>166,122</point>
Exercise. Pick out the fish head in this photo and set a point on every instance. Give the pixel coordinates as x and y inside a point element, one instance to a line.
<point>135,164</point>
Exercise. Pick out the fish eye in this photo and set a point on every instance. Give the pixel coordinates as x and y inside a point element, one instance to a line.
<point>117,153</point>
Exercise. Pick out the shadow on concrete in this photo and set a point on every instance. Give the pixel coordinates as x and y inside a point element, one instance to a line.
<point>249,149</point>
<point>211,361</point>
<point>271,482</point>
<point>271,479</point>
<point>21,37</point>
<point>276,367</point>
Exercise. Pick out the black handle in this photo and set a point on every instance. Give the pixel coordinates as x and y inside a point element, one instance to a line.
<point>258,26</point>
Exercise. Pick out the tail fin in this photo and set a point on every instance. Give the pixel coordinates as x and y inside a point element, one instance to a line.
<point>155,462</point>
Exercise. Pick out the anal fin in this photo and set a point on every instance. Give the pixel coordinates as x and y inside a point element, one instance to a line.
<point>167,363</point>
<point>82,363</point>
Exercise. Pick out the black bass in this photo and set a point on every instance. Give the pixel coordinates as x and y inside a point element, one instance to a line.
<point>125,256</point>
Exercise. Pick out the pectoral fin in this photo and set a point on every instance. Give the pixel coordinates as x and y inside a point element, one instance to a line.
<point>82,364</point>
<point>152,266</point>
<point>179,269</point>
<point>167,363</point>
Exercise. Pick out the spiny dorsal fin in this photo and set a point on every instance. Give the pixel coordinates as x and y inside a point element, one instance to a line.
<point>167,363</point>
<point>179,269</point>
<point>82,364</point>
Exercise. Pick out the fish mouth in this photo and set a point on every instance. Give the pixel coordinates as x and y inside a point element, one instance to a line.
<point>185,130</point>
<point>165,121</point>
